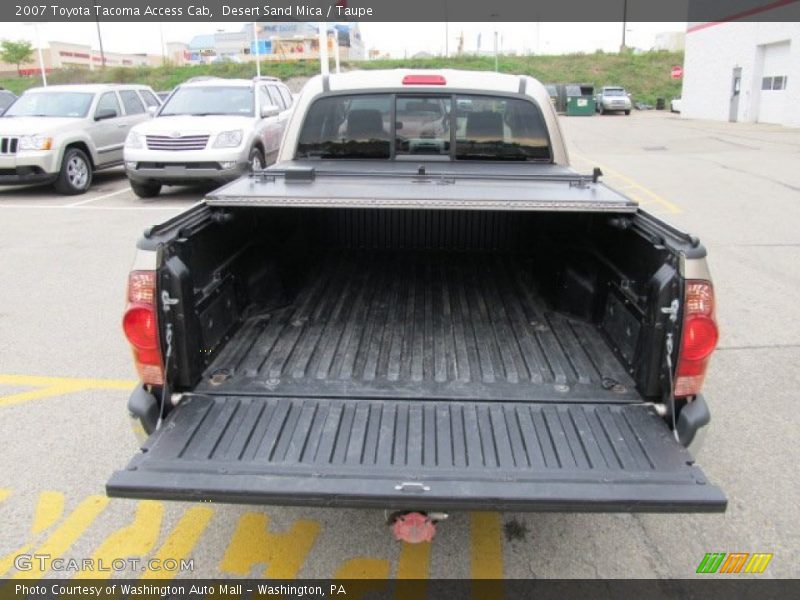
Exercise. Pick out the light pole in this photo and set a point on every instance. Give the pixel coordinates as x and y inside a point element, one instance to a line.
<point>257,49</point>
<point>324,67</point>
<point>100,38</point>
<point>336,49</point>
<point>39,49</point>
<point>495,52</point>
<point>624,22</point>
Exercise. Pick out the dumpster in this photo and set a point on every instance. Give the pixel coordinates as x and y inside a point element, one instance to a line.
<point>580,100</point>
<point>558,96</point>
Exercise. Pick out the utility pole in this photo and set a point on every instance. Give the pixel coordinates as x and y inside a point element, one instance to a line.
<point>100,38</point>
<point>624,22</point>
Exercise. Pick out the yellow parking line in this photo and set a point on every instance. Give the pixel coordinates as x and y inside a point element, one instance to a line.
<point>56,386</point>
<point>670,206</point>
<point>66,534</point>
<point>283,553</point>
<point>486,546</point>
<point>366,576</point>
<point>414,567</point>
<point>48,510</point>
<point>486,556</point>
<point>181,541</point>
<point>136,540</point>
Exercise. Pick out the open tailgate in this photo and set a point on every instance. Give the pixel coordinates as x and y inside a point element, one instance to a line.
<point>418,455</point>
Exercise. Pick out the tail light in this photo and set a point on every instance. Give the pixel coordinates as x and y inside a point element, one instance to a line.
<point>141,326</point>
<point>699,338</point>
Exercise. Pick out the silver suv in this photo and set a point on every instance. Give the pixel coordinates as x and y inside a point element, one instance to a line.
<point>61,134</point>
<point>209,130</point>
<point>613,98</point>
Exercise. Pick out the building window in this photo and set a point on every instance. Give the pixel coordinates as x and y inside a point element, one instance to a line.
<point>777,82</point>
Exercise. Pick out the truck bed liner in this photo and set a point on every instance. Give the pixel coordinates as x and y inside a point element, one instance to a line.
<point>435,325</point>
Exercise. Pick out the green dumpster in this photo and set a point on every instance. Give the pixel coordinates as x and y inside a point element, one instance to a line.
<point>580,100</point>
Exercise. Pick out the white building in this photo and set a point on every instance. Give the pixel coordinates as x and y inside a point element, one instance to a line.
<point>746,72</point>
<point>671,41</point>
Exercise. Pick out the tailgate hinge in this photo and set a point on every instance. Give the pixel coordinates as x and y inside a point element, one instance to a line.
<point>167,301</point>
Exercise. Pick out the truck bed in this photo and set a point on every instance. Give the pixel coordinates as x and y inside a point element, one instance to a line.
<point>438,325</point>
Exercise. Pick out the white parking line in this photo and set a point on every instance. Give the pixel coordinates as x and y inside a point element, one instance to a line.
<point>67,206</point>
<point>101,197</point>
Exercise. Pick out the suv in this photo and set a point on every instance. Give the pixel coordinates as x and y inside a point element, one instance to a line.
<point>613,98</point>
<point>208,130</point>
<point>61,134</point>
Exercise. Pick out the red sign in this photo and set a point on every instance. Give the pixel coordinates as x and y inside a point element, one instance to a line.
<point>676,72</point>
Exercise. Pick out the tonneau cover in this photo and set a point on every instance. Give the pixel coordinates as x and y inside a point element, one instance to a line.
<point>470,186</point>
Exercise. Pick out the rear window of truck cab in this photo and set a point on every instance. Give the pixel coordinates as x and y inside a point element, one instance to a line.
<point>448,126</point>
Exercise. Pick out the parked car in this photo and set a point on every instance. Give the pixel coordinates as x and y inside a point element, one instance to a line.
<point>6,99</point>
<point>209,130</point>
<point>62,134</point>
<point>426,313</point>
<point>613,99</point>
<point>675,105</point>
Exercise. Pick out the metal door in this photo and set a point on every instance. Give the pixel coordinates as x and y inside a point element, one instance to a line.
<point>736,89</point>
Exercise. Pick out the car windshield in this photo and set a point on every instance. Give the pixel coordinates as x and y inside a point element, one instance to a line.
<point>210,100</point>
<point>51,104</point>
<point>385,126</point>
<point>614,92</point>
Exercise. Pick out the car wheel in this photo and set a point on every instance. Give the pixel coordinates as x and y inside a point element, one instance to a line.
<point>256,160</point>
<point>627,112</point>
<point>146,190</point>
<point>75,175</point>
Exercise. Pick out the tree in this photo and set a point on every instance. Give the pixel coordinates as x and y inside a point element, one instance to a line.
<point>16,53</point>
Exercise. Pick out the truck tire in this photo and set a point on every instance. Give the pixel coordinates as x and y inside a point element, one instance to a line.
<point>75,175</point>
<point>146,190</point>
<point>256,160</point>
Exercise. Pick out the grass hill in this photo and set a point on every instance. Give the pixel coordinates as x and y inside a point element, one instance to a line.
<point>646,75</point>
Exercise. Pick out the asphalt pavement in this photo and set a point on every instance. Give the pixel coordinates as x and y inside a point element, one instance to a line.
<point>65,372</point>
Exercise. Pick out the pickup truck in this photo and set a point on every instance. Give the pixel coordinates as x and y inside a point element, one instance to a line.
<point>420,307</point>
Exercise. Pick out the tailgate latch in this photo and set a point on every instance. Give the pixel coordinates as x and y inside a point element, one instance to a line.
<point>671,310</point>
<point>412,486</point>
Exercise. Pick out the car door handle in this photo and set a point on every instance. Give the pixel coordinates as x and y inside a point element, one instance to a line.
<point>123,126</point>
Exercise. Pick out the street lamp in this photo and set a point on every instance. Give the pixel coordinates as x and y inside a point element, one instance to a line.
<point>624,23</point>
<point>39,48</point>
<point>100,38</point>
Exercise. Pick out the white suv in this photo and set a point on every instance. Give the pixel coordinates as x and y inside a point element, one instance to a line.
<point>209,130</point>
<point>62,134</point>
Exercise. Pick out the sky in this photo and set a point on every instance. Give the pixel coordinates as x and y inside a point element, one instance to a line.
<point>397,39</point>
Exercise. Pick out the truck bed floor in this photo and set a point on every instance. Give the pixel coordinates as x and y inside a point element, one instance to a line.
<point>423,325</point>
